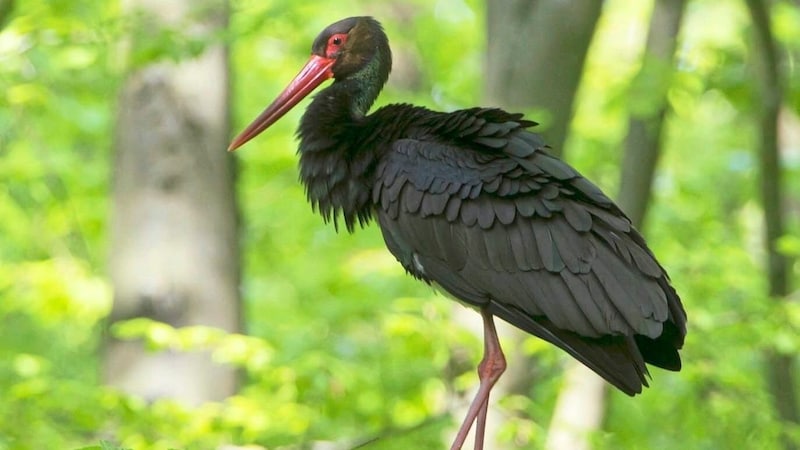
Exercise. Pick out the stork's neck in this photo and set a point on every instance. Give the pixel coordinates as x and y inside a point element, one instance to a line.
<point>338,149</point>
<point>365,85</point>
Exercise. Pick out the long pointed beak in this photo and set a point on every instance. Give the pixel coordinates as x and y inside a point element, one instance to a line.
<point>316,70</point>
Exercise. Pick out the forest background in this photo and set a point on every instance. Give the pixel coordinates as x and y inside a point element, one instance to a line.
<point>157,292</point>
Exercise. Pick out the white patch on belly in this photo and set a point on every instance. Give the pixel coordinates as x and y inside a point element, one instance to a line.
<point>417,264</point>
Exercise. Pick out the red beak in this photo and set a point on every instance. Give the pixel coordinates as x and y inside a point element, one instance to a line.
<point>316,70</point>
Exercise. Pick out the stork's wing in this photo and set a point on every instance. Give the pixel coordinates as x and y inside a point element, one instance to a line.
<point>499,223</point>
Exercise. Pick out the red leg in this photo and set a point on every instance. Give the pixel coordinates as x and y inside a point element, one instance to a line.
<point>491,367</point>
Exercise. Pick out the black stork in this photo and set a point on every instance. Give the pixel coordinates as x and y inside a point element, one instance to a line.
<point>472,202</point>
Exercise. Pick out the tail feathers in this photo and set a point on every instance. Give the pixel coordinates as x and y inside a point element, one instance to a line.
<point>663,350</point>
<point>617,359</point>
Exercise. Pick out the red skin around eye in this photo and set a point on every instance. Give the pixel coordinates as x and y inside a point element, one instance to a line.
<point>333,47</point>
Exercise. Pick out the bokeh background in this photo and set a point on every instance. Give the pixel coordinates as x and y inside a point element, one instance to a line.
<point>157,292</point>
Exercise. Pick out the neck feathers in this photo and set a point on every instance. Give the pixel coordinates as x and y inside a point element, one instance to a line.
<point>340,145</point>
<point>337,162</point>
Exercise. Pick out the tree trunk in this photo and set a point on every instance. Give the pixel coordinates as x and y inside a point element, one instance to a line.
<point>643,142</point>
<point>174,249</point>
<point>534,58</point>
<point>780,367</point>
<point>573,422</point>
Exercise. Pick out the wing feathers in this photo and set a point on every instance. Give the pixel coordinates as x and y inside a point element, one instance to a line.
<point>496,221</point>
<point>547,248</point>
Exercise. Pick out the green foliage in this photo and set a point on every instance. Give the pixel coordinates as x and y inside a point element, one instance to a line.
<point>341,346</point>
<point>104,445</point>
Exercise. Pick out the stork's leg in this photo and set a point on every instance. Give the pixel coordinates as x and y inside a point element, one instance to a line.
<point>480,425</point>
<point>491,367</point>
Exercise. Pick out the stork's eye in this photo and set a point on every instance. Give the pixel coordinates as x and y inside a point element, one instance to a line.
<point>335,44</point>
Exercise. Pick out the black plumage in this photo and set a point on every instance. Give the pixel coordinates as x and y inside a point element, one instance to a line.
<point>472,202</point>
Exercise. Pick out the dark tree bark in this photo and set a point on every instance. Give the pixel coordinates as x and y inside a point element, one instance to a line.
<point>174,250</point>
<point>780,367</point>
<point>535,55</point>
<point>581,406</point>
